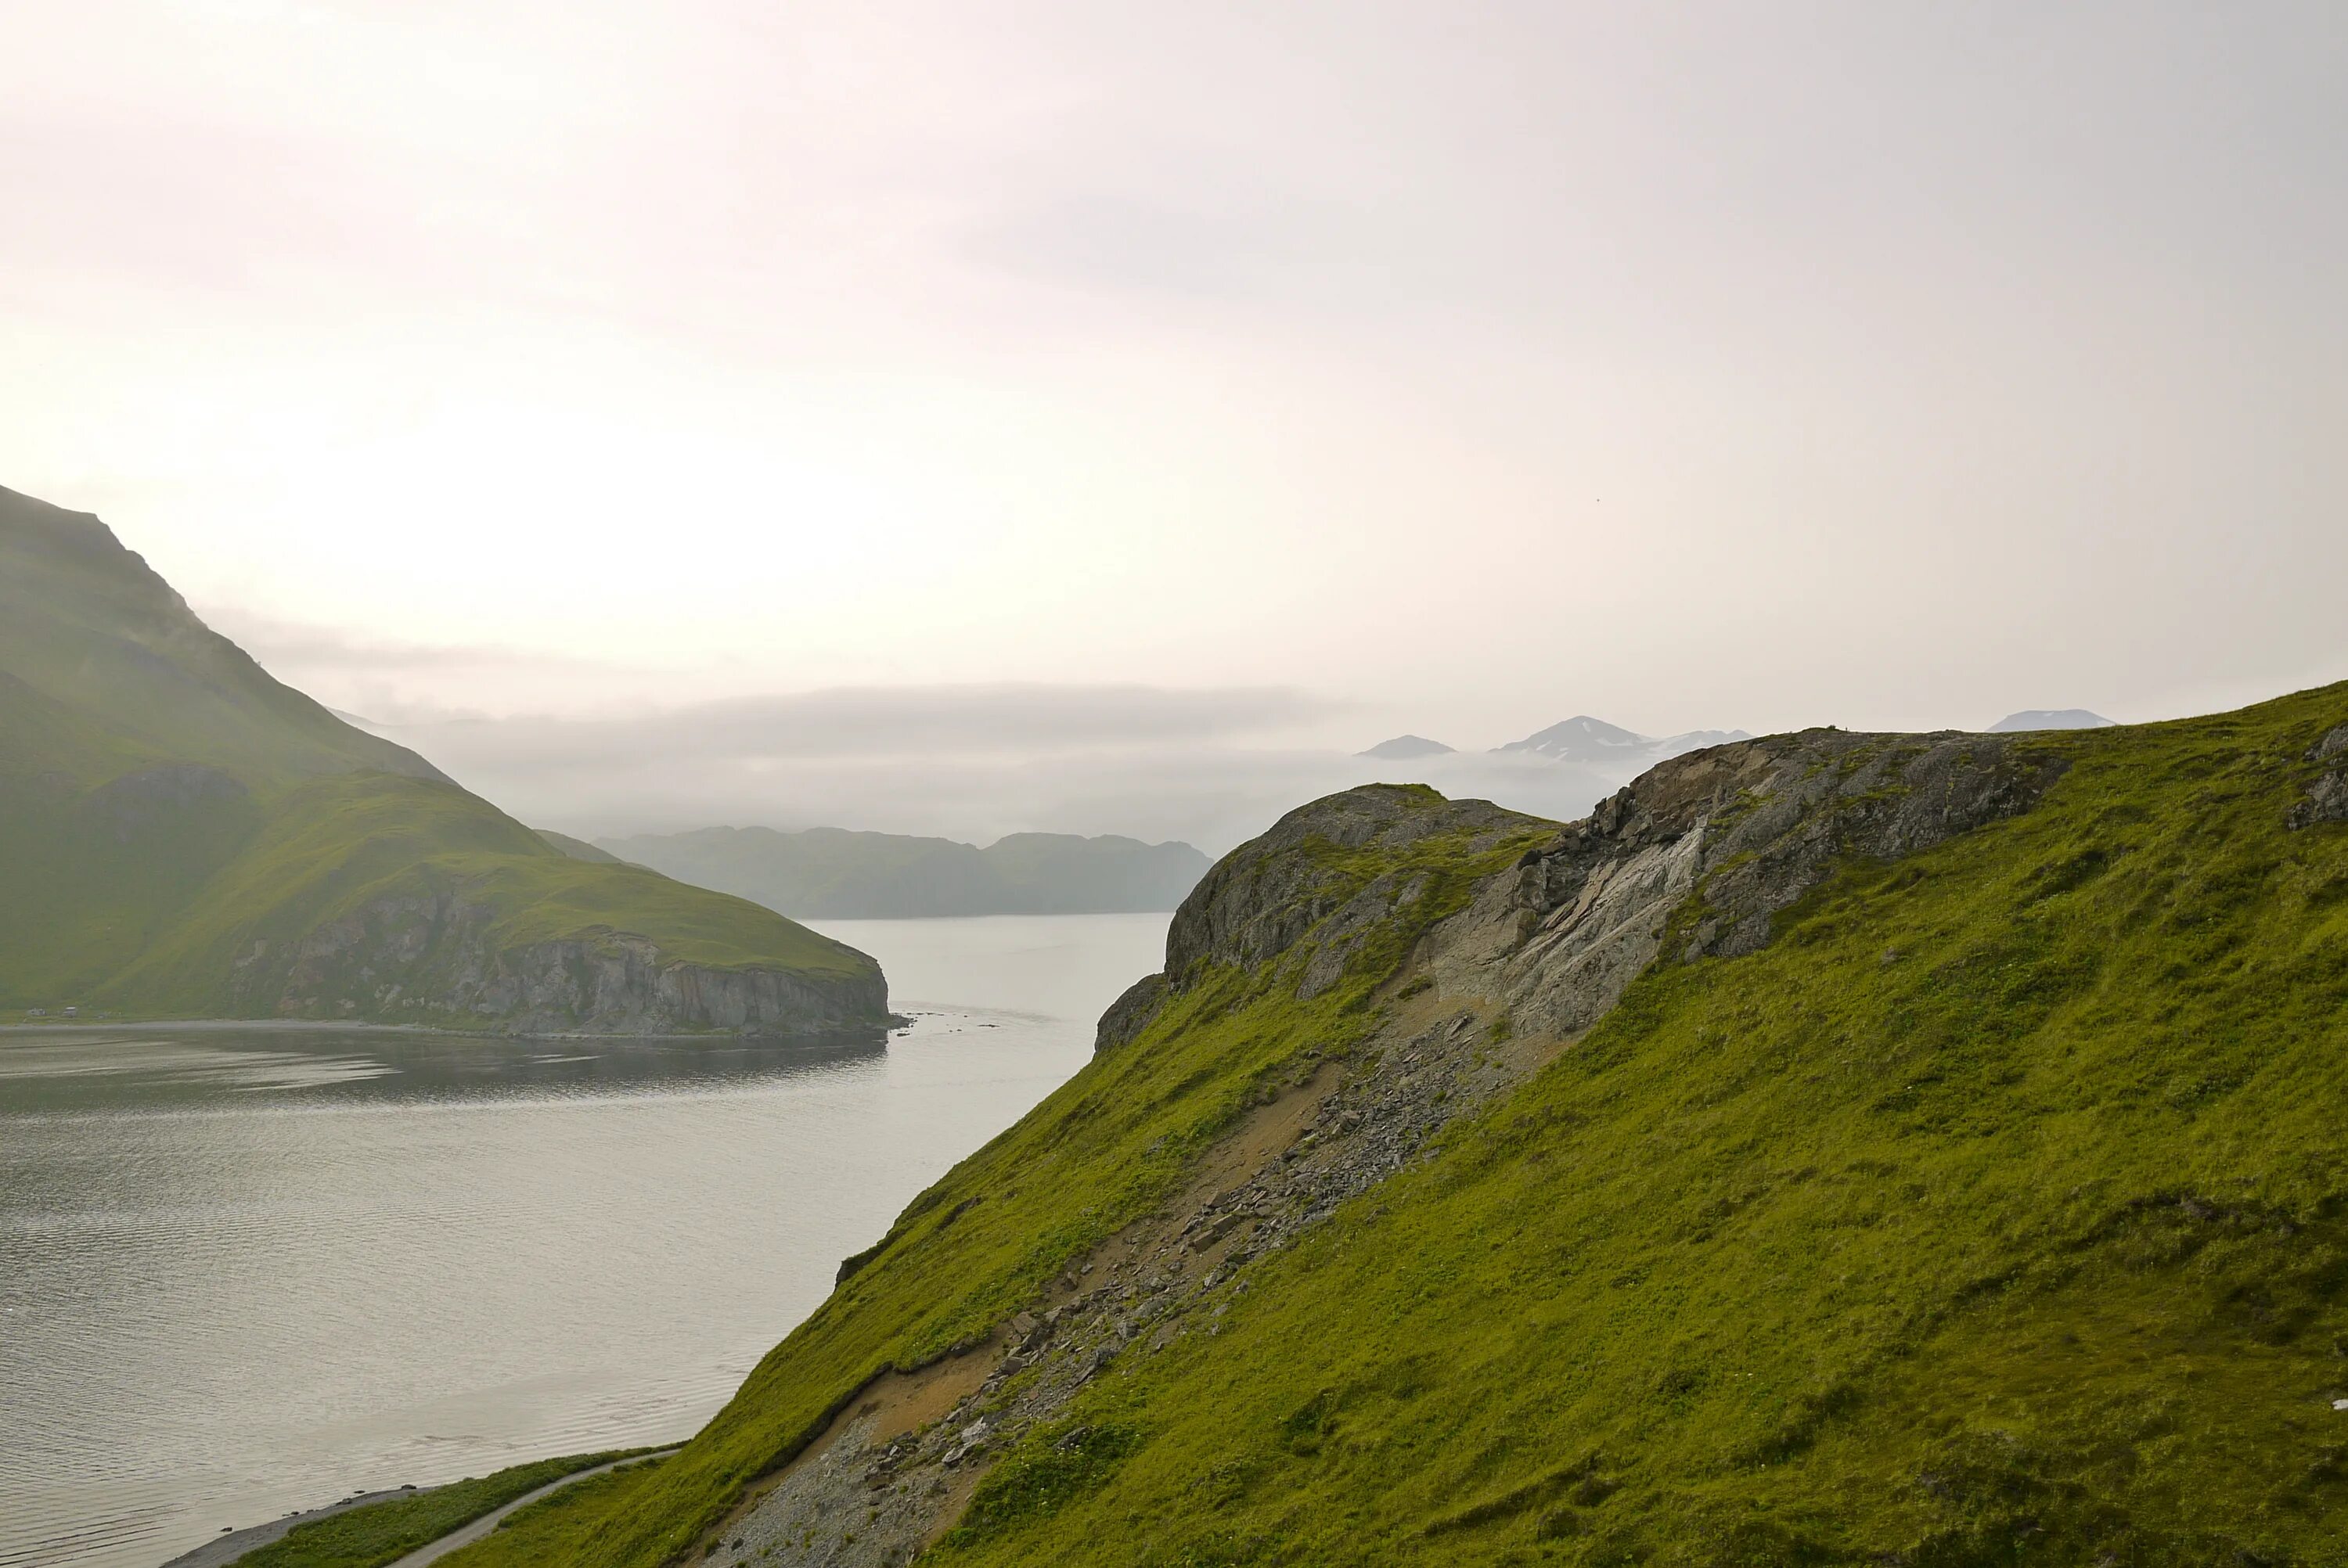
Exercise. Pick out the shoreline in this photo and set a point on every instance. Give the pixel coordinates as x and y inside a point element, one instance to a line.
<point>889,1025</point>
<point>230,1544</point>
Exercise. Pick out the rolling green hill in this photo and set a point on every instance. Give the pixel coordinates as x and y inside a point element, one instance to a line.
<point>182,835</point>
<point>833,872</point>
<point>1839,1149</point>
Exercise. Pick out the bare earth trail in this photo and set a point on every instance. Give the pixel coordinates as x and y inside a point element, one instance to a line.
<point>472,1532</point>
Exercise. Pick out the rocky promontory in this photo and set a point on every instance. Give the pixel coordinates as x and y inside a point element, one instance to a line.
<point>438,960</point>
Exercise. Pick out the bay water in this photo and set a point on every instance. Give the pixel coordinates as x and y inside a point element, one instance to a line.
<point>250,1270</point>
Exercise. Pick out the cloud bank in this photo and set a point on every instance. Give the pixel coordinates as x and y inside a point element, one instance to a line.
<point>969,762</point>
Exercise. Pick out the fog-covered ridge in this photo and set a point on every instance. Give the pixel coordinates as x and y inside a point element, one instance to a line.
<point>833,872</point>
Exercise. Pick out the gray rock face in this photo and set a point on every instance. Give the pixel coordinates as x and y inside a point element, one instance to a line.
<point>2327,797</point>
<point>429,960</point>
<point>1743,830</point>
<point>1261,899</point>
<point>1754,824</point>
<point>1131,1013</point>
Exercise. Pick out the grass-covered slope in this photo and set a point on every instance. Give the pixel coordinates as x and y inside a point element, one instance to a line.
<point>90,625</point>
<point>180,834</point>
<point>578,848</point>
<point>378,1533</point>
<point>1997,1211</point>
<point>1994,1212</point>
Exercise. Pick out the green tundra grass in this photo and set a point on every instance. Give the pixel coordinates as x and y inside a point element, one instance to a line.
<point>382,1533</point>
<point>165,805</point>
<point>1996,1212</point>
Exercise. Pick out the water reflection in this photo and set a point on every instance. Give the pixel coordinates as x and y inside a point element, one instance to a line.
<point>80,1069</point>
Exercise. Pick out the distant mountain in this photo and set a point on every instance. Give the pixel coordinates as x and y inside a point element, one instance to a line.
<point>1595,743</point>
<point>1405,748</point>
<point>1695,741</point>
<point>2050,719</point>
<point>1581,739</point>
<point>833,872</point>
<point>183,836</point>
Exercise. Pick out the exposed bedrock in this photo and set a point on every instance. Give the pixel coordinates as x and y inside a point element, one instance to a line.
<point>1751,825</point>
<point>2327,797</point>
<point>429,960</point>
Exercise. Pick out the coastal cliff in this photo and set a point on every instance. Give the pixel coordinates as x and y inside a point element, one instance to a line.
<point>437,960</point>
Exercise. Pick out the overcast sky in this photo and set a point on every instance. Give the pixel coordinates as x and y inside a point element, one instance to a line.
<point>1312,371</point>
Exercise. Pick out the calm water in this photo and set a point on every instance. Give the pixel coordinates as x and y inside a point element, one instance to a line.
<point>244,1271</point>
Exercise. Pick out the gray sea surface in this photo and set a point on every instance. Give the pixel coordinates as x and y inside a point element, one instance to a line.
<point>248,1270</point>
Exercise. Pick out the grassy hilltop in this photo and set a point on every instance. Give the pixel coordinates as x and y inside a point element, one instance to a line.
<point>180,834</point>
<point>1988,1206</point>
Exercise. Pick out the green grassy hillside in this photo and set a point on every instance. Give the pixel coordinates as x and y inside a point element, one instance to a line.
<point>378,1533</point>
<point>1994,1212</point>
<point>89,625</point>
<point>182,835</point>
<point>578,848</point>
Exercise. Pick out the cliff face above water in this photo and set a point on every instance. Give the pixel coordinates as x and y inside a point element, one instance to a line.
<point>439,960</point>
<point>183,836</point>
<point>1837,1149</point>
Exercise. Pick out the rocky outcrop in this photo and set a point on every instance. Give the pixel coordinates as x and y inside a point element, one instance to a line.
<point>1266,896</point>
<point>434,959</point>
<point>1131,1013</point>
<point>1750,827</point>
<point>1262,898</point>
<point>2327,797</point>
<point>1698,855</point>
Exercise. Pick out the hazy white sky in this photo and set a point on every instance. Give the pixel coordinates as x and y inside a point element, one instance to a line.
<point>1370,365</point>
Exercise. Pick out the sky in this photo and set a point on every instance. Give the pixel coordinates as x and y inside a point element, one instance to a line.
<point>973,416</point>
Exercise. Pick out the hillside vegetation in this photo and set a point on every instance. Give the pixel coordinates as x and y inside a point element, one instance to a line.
<point>1964,1181</point>
<point>833,872</point>
<point>377,1533</point>
<point>182,835</point>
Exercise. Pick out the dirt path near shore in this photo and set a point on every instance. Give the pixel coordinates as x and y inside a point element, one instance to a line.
<point>227,1549</point>
<point>472,1532</point>
<point>224,1549</point>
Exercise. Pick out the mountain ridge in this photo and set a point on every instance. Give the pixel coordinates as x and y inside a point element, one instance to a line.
<point>1406,748</point>
<point>183,835</point>
<point>847,874</point>
<point>1586,740</point>
<point>2048,719</point>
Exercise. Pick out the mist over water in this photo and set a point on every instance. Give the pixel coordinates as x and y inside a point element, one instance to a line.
<point>248,1270</point>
